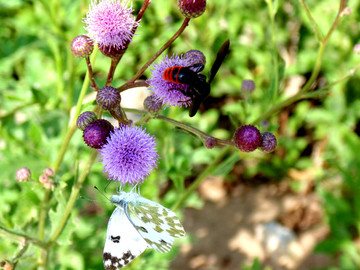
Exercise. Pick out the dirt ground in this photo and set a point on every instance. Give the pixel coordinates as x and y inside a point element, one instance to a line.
<point>236,225</point>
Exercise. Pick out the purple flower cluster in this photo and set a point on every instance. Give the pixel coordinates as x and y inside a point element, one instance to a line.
<point>110,24</point>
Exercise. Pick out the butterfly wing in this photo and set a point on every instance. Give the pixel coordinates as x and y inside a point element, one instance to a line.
<point>157,225</point>
<point>123,242</point>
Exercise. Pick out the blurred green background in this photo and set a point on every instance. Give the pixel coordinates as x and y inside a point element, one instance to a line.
<point>41,81</point>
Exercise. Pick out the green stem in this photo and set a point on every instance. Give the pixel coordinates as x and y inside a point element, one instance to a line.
<point>43,212</point>
<point>312,21</point>
<point>73,196</point>
<point>18,236</point>
<point>200,178</point>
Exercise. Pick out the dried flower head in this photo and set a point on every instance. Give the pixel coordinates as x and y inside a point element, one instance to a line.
<point>96,133</point>
<point>85,118</point>
<point>192,8</point>
<point>169,92</point>
<point>23,174</point>
<point>110,24</point>
<point>82,46</point>
<point>108,97</point>
<point>268,142</point>
<point>247,138</point>
<point>129,155</point>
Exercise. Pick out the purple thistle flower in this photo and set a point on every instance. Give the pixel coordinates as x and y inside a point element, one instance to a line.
<point>109,23</point>
<point>129,155</point>
<point>167,91</point>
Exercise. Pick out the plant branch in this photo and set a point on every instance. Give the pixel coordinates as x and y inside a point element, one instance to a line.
<point>157,54</point>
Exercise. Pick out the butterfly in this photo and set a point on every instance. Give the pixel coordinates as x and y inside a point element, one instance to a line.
<point>136,224</point>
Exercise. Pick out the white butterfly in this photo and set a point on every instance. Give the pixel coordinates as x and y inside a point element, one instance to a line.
<point>136,224</point>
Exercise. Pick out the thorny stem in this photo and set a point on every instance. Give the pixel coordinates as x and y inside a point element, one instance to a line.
<point>157,54</point>
<point>201,177</point>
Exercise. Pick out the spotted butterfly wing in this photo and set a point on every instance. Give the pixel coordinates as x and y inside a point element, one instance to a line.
<point>155,223</point>
<point>123,242</point>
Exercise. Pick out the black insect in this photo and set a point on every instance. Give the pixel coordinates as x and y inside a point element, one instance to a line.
<point>199,88</point>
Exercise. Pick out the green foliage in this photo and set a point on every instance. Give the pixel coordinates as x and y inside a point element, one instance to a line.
<point>40,86</point>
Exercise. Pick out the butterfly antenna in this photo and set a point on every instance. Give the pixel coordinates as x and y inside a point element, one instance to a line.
<point>106,187</point>
<point>223,51</point>
<point>102,193</point>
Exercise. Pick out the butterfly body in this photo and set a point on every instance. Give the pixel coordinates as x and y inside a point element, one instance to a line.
<point>136,224</point>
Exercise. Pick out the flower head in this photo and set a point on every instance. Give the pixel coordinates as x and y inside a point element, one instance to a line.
<point>97,132</point>
<point>85,118</point>
<point>129,155</point>
<point>248,85</point>
<point>247,138</point>
<point>169,92</point>
<point>108,97</point>
<point>192,8</point>
<point>23,174</point>
<point>110,24</point>
<point>82,46</point>
<point>152,104</point>
<point>195,56</point>
<point>268,142</point>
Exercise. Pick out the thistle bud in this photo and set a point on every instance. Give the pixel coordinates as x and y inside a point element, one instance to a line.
<point>23,174</point>
<point>248,85</point>
<point>196,57</point>
<point>210,142</point>
<point>152,104</point>
<point>96,133</point>
<point>82,46</point>
<point>108,97</point>
<point>49,172</point>
<point>247,138</point>
<point>192,8</point>
<point>84,119</point>
<point>268,142</point>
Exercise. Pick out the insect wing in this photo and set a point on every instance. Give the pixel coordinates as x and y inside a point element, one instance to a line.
<point>123,242</point>
<point>155,223</point>
<point>223,51</point>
